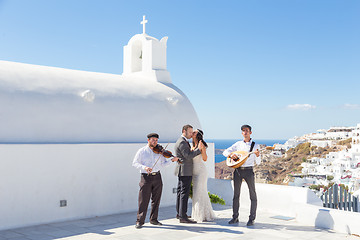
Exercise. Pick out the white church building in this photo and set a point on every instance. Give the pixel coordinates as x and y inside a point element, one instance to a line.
<point>68,137</point>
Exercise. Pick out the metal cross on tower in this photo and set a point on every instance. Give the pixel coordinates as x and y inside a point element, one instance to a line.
<point>143,22</point>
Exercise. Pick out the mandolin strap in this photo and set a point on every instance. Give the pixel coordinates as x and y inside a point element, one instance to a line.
<point>252,146</point>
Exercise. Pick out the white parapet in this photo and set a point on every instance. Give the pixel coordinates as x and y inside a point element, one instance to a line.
<point>299,203</point>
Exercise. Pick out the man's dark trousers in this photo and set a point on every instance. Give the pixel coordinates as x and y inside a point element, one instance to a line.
<point>150,187</point>
<point>248,175</point>
<point>183,191</point>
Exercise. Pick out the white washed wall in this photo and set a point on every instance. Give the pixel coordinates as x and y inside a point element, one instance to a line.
<point>95,179</point>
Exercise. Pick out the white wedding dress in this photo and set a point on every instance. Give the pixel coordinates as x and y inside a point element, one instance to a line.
<point>201,206</point>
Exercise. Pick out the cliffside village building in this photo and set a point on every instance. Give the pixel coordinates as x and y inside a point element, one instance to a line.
<point>343,165</point>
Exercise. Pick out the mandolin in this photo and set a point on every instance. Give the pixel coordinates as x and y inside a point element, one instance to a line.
<point>242,156</point>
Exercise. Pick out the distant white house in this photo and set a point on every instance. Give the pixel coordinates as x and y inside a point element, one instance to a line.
<point>291,143</point>
<point>326,138</point>
<point>322,143</point>
<point>355,144</point>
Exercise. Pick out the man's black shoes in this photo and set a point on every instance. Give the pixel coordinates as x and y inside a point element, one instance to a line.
<point>233,221</point>
<point>250,223</point>
<point>186,220</point>
<point>138,225</point>
<point>155,222</point>
<point>178,217</point>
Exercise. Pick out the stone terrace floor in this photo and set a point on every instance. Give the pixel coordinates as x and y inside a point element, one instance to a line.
<point>121,226</point>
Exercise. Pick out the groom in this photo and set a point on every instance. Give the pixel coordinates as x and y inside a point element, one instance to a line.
<point>184,172</point>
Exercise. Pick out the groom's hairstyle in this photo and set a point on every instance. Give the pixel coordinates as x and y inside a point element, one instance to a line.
<point>186,127</point>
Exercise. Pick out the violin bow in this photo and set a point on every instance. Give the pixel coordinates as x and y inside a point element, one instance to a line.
<point>159,157</point>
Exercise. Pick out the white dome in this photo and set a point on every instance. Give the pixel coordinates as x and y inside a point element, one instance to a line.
<point>48,104</point>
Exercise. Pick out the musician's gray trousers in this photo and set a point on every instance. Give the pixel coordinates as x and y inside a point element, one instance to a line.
<point>248,175</point>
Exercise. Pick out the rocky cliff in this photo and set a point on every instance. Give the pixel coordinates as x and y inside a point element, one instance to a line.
<point>279,169</point>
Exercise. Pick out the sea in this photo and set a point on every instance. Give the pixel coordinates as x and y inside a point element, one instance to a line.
<point>225,143</point>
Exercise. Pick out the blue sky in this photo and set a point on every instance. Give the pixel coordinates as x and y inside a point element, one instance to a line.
<point>286,67</point>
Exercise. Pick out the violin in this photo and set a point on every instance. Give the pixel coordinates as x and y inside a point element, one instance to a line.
<point>158,149</point>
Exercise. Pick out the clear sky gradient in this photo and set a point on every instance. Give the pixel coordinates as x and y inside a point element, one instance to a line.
<point>286,67</point>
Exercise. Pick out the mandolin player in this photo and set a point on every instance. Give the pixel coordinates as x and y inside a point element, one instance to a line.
<point>245,172</point>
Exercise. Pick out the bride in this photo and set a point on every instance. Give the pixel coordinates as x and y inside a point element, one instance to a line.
<point>201,206</point>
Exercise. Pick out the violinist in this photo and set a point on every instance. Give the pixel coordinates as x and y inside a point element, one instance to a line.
<point>149,160</point>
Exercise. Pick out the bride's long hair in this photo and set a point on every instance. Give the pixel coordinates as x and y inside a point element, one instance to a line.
<point>199,137</point>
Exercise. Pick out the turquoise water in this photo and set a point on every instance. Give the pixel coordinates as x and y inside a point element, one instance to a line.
<point>225,143</point>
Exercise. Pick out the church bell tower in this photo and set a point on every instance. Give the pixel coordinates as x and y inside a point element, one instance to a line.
<point>145,55</point>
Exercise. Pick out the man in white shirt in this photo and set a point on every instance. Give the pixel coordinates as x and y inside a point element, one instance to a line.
<point>244,172</point>
<point>149,163</point>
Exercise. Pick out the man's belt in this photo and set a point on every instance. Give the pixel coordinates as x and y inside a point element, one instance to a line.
<point>152,173</point>
<point>243,168</point>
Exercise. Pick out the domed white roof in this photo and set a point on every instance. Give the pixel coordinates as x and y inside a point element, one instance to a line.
<point>48,104</point>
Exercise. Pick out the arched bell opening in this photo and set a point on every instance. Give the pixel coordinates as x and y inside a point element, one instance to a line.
<point>136,56</point>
